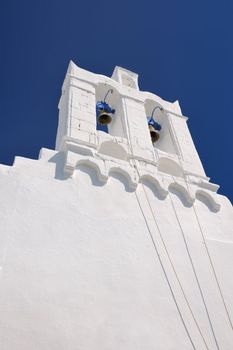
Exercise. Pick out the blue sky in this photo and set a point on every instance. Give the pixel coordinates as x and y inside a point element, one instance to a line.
<point>180,49</point>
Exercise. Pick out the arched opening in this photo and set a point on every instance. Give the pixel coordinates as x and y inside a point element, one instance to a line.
<point>108,94</point>
<point>165,142</point>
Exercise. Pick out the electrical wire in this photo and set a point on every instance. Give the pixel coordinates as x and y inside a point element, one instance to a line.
<point>213,269</point>
<point>195,273</point>
<point>151,236</point>
<point>164,271</point>
<point>174,270</point>
<point>191,261</point>
<point>206,247</point>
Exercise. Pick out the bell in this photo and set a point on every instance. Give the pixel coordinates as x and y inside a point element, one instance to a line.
<point>104,118</point>
<point>153,134</point>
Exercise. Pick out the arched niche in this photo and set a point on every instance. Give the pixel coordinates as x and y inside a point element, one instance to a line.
<point>207,200</point>
<point>169,166</point>
<point>165,142</point>
<point>117,125</point>
<point>113,149</point>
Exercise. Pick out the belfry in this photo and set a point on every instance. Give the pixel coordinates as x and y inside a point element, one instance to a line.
<point>117,239</point>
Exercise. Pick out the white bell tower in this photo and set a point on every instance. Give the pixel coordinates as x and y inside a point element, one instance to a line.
<point>111,241</point>
<point>128,137</point>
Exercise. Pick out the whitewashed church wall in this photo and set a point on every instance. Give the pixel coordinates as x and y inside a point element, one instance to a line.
<point>79,269</point>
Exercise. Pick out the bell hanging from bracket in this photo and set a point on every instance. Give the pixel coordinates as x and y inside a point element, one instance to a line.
<point>104,118</point>
<point>104,111</point>
<point>153,126</point>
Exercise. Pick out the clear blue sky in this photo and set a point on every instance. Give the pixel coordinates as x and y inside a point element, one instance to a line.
<point>180,49</point>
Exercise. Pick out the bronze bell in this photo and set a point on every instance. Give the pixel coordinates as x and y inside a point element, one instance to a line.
<point>153,134</point>
<point>104,118</point>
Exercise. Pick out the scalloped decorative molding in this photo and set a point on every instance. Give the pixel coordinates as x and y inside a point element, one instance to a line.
<point>106,166</point>
<point>164,185</point>
<point>208,199</point>
<point>180,189</point>
<point>155,182</point>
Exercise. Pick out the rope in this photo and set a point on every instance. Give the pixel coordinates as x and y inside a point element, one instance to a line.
<point>151,236</point>
<point>207,250</point>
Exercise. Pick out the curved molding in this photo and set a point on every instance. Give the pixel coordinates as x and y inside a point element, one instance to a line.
<point>182,193</point>
<point>130,176</point>
<point>208,199</point>
<point>154,182</point>
<point>160,185</point>
<point>92,163</point>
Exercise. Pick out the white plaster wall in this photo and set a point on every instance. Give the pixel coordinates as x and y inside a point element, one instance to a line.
<point>137,128</point>
<point>181,134</point>
<point>77,113</point>
<point>79,270</point>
